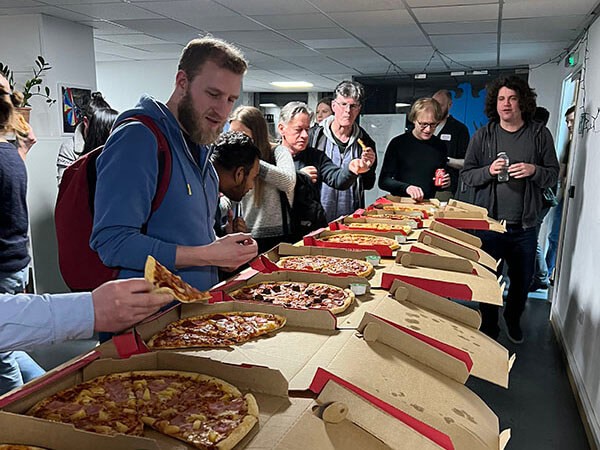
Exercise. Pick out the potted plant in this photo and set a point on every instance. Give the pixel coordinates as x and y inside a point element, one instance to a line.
<point>33,86</point>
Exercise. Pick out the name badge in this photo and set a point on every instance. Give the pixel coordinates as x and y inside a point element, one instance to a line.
<point>446,137</point>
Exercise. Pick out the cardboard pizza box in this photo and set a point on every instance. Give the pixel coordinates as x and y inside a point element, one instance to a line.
<point>341,225</point>
<point>444,276</point>
<point>261,263</point>
<point>315,239</point>
<point>282,419</point>
<point>469,220</point>
<point>449,322</point>
<point>349,319</point>
<point>431,202</point>
<point>414,222</point>
<point>461,248</point>
<point>421,376</point>
<point>454,232</point>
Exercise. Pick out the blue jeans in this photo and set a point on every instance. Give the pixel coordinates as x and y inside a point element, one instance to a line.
<point>18,367</point>
<point>517,248</point>
<point>553,236</point>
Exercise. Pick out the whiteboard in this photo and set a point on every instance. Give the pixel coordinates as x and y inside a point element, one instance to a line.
<point>382,128</point>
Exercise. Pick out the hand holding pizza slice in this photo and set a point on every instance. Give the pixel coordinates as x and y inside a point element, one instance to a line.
<point>164,281</point>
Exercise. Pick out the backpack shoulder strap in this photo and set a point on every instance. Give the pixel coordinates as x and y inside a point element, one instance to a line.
<point>318,139</point>
<point>165,159</point>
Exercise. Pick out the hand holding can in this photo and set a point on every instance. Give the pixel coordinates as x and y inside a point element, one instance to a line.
<point>439,177</point>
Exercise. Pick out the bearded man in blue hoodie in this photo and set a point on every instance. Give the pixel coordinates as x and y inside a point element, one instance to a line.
<point>179,233</point>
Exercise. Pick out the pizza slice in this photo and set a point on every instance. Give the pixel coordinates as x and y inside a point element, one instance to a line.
<point>164,281</point>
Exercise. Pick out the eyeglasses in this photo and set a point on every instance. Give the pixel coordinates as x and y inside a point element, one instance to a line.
<point>424,125</point>
<point>344,105</point>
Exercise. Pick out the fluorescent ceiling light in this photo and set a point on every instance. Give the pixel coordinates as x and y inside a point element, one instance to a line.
<point>268,105</point>
<point>292,84</point>
<point>458,73</point>
<point>402,105</point>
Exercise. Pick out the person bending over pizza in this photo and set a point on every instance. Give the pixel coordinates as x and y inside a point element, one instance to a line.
<point>27,320</point>
<point>180,233</point>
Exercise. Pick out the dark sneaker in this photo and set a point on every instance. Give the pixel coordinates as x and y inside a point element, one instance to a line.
<point>514,332</point>
<point>536,285</point>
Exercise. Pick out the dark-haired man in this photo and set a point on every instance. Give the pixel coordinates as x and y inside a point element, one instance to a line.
<point>510,105</point>
<point>180,232</point>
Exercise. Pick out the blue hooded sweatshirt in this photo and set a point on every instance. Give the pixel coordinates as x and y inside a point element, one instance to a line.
<point>127,182</point>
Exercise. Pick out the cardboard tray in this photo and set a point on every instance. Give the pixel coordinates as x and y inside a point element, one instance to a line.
<point>444,276</point>
<point>418,375</point>
<point>261,263</point>
<point>284,422</point>
<point>448,322</point>
<point>461,248</point>
<point>349,319</point>
<point>358,217</point>
<point>468,217</point>
<point>313,239</point>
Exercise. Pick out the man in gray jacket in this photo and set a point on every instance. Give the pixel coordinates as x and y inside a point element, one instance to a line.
<point>532,166</point>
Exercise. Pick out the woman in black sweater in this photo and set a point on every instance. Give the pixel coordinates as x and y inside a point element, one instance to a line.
<point>412,158</point>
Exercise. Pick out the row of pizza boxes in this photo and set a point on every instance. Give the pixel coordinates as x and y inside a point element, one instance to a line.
<point>424,348</point>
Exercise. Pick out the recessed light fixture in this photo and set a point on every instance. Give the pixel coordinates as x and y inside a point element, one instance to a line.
<point>268,105</point>
<point>402,105</point>
<point>458,73</point>
<point>292,84</point>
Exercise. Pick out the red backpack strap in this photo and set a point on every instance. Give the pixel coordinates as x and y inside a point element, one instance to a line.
<point>165,159</point>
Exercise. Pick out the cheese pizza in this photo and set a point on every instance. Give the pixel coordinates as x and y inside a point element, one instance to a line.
<point>326,264</point>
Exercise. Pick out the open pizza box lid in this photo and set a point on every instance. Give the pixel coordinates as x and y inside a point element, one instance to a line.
<point>265,263</point>
<point>348,319</point>
<point>413,223</point>
<point>444,276</point>
<point>469,220</point>
<point>315,239</point>
<point>283,421</point>
<point>407,201</point>
<point>461,248</point>
<point>448,322</point>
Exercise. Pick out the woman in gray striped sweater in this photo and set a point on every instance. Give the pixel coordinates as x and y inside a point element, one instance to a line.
<point>262,208</point>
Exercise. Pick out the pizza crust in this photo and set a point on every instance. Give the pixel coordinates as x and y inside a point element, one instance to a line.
<point>179,289</point>
<point>365,273</point>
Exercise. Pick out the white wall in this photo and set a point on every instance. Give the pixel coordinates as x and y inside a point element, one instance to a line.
<point>576,301</point>
<point>123,83</point>
<point>69,48</point>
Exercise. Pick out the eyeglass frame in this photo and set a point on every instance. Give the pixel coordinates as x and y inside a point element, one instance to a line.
<point>423,126</point>
<point>344,105</point>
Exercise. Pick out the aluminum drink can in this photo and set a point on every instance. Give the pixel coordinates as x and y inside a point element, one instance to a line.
<point>439,177</point>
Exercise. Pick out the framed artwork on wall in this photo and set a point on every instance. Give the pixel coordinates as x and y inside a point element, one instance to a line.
<point>73,100</point>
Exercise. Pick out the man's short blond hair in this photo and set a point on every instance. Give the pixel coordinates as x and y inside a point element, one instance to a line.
<point>222,53</point>
<point>425,104</point>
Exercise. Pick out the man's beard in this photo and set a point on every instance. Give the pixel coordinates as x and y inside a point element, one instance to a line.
<point>189,119</point>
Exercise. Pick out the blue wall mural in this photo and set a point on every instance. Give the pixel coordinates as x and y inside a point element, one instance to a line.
<point>468,106</point>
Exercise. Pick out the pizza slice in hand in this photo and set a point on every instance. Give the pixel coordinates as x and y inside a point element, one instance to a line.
<point>164,281</point>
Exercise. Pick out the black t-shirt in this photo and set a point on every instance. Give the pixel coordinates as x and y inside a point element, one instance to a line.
<point>410,161</point>
<point>519,146</point>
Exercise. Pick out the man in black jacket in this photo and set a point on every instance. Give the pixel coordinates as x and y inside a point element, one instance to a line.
<point>456,136</point>
<point>532,166</point>
<point>338,137</point>
<point>314,169</point>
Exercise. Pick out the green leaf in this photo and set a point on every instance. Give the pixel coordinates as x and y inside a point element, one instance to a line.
<point>41,59</point>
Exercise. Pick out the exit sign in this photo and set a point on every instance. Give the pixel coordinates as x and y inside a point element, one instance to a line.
<point>571,60</point>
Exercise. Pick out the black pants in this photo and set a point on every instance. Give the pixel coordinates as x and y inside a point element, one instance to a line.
<point>517,249</point>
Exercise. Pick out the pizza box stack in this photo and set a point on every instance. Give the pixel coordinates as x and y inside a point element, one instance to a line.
<point>420,376</point>
<point>468,217</point>
<point>315,239</point>
<point>340,416</point>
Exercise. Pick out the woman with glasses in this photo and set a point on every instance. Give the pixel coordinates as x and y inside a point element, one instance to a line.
<point>412,158</point>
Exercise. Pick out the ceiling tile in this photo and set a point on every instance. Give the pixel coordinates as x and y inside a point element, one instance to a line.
<point>406,53</point>
<point>103,27</point>
<point>483,26</point>
<point>186,8</point>
<point>106,57</point>
<point>110,11</point>
<point>19,4</point>
<point>542,23</point>
<point>317,33</point>
<point>265,7</point>
<point>352,55</point>
<point>132,39</point>
<point>250,36</point>
<point>426,3</point>
<point>356,5</point>
<point>398,17</point>
<point>164,48</point>
<point>165,29</point>
<point>457,13</point>
<point>332,43</point>
<point>539,8</point>
<point>409,35</point>
<point>295,21</point>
